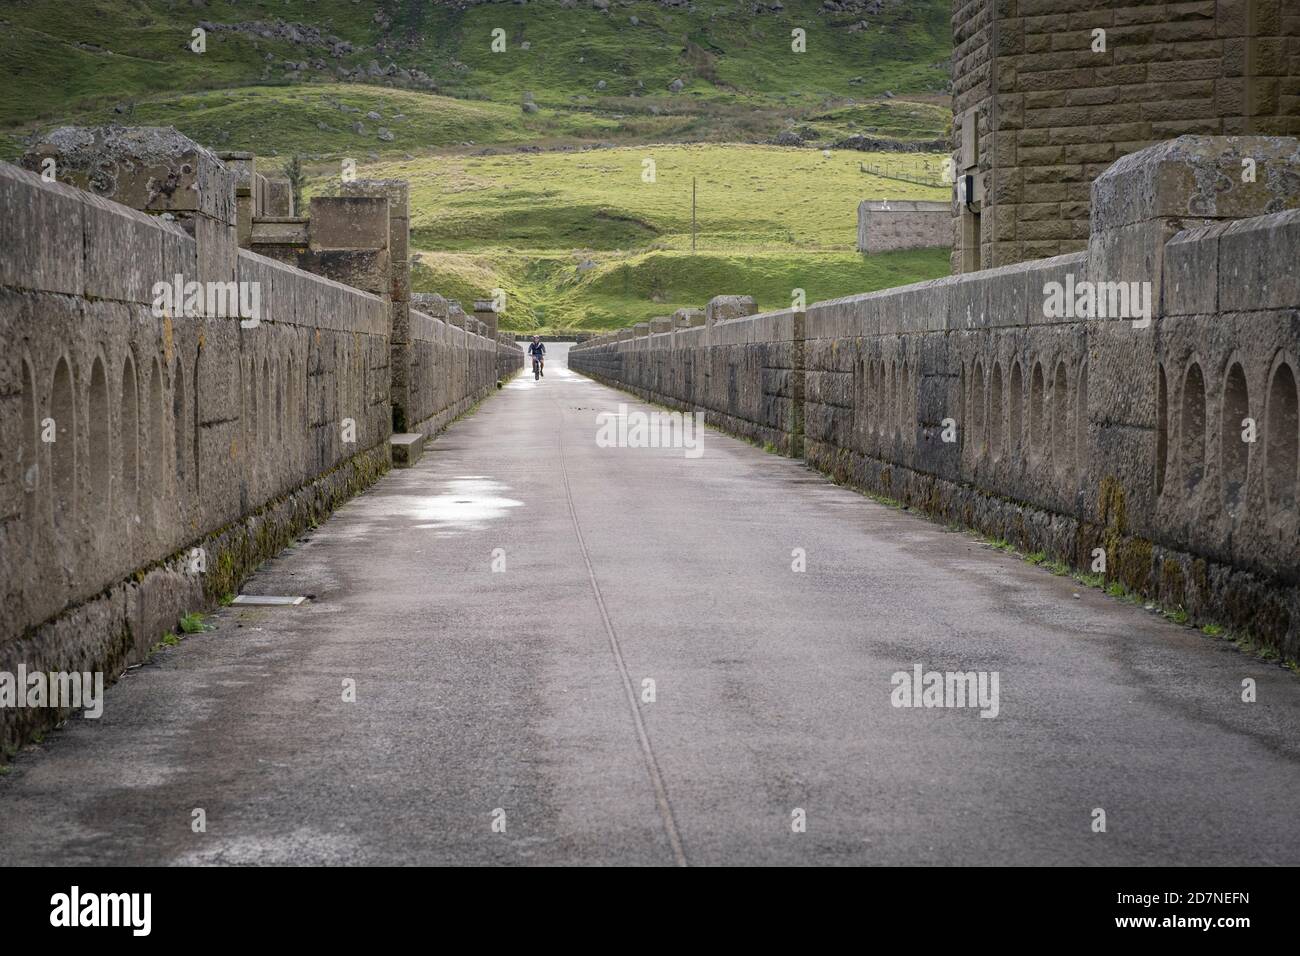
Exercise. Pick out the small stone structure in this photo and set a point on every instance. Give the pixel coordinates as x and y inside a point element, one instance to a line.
<point>1166,443</point>
<point>885,225</point>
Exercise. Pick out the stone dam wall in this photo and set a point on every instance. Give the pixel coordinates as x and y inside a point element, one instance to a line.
<point>961,398</point>
<point>151,459</point>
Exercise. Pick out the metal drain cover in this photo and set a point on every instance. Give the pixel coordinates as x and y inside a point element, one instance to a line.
<point>268,600</point>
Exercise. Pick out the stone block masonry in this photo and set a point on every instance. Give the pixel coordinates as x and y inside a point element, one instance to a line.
<point>1166,443</point>
<point>1047,94</point>
<point>151,461</point>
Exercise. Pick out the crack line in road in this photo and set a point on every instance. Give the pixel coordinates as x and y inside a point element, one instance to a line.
<point>647,752</point>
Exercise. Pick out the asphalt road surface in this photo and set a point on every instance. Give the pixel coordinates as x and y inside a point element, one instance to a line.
<point>503,716</point>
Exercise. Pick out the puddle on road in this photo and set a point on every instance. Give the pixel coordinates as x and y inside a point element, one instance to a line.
<point>463,503</point>
<point>466,502</point>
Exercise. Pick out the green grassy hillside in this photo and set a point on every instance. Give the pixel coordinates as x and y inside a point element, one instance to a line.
<point>576,236</point>
<point>593,74</point>
<point>611,290</point>
<point>580,240</point>
<point>747,197</point>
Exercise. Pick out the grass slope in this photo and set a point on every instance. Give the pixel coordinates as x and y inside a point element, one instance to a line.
<point>78,59</point>
<point>546,292</point>
<point>580,240</point>
<point>576,238</point>
<point>748,197</point>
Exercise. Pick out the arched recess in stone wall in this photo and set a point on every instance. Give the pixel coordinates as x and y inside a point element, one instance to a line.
<point>1037,413</point>
<point>63,450</point>
<point>266,424</point>
<point>1234,450</point>
<point>1081,421</point>
<point>979,441</point>
<point>291,399</point>
<point>1281,441</point>
<point>905,429</point>
<point>1062,437</point>
<point>1015,411</point>
<point>99,462</point>
<point>279,403</point>
<point>1162,426</point>
<point>996,412</point>
<point>1192,431</point>
<point>880,398</point>
<point>129,440</point>
<point>891,389</point>
<point>155,462</point>
<point>962,421</point>
<point>180,422</point>
<point>28,475</point>
<point>251,391</point>
<point>196,461</point>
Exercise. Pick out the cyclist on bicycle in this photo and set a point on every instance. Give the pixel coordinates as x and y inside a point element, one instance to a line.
<point>537,351</point>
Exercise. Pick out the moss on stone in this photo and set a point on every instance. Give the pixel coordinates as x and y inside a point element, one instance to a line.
<point>1171,590</point>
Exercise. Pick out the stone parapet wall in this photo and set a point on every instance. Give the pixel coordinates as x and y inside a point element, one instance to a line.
<point>1068,434</point>
<point>155,455</point>
<point>452,368</point>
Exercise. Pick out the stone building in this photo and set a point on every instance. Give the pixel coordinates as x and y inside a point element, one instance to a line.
<point>885,225</point>
<point>1048,93</point>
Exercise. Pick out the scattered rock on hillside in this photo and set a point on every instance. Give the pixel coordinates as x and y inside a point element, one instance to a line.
<point>676,86</point>
<point>386,135</point>
<point>871,144</point>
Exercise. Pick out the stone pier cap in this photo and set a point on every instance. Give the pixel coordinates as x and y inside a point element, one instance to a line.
<point>151,168</point>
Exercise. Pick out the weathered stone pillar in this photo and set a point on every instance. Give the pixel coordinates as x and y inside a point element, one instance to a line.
<point>1138,205</point>
<point>251,193</point>
<point>798,381</point>
<point>397,193</point>
<point>724,307</point>
<point>486,313</point>
<point>155,170</point>
<point>348,241</point>
<point>279,199</point>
